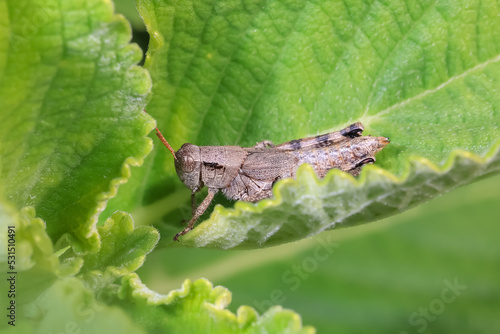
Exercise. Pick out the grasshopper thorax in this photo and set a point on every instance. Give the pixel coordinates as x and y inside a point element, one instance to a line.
<point>188,165</point>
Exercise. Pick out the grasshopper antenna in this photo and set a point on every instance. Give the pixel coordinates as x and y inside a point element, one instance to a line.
<point>164,141</point>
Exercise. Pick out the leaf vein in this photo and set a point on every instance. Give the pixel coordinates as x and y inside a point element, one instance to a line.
<point>369,119</point>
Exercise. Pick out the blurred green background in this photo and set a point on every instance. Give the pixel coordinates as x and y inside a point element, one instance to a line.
<point>433,269</point>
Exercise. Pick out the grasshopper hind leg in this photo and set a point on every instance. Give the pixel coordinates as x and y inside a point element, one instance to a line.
<point>259,196</point>
<point>353,130</point>
<point>357,169</point>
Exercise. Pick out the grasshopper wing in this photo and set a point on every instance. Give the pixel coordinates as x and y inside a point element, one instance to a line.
<point>269,165</point>
<point>262,167</point>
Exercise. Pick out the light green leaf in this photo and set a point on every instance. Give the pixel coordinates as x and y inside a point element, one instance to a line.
<point>198,307</point>
<point>426,74</point>
<point>32,258</point>
<point>123,248</point>
<point>47,300</point>
<point>71,121</point>
<point>50,302</point>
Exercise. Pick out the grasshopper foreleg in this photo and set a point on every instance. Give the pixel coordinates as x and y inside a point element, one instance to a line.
<point>197,212</point>
<point>193,203</point>
<point>193,207</point>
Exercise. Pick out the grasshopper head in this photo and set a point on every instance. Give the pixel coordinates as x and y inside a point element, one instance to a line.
<point>188,165</point>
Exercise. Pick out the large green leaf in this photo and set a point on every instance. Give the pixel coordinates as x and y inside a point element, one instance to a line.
<point>424,73</point>
<point>71,122</point>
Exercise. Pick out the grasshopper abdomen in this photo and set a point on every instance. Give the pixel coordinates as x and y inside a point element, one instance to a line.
<point>347,156</point>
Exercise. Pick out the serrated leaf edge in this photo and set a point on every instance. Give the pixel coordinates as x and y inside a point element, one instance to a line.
<point>369,174</point>
<point>243,317</point>
<point>89,229</point>
<point>125,223</point>
<point>31,231</point>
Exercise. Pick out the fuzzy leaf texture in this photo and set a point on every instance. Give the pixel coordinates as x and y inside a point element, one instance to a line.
<point>424,73</point>
<point>49,298</point>
<point>71,121</point>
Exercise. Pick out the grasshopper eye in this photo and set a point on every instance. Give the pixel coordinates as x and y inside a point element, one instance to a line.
<point>188,164</point>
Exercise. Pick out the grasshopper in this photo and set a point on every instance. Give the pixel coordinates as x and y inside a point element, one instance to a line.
<point>249,173</point>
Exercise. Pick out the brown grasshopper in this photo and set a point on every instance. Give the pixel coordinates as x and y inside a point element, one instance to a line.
<point>249,173</point>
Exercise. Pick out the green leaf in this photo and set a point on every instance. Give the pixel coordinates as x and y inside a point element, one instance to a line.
<point>123,248</point>
<point>71,123</point>
<point>49,296</point>
<point>200,308</point>
<point>426,74</point>
<point>47,300</point>
<point>27,251</point>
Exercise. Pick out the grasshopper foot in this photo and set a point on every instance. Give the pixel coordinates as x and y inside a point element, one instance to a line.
<point>184,231</point>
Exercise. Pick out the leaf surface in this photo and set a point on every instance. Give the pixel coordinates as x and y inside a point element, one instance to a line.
<point>123,247</point>
<point>72,122</point>
<point>31,253</point>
